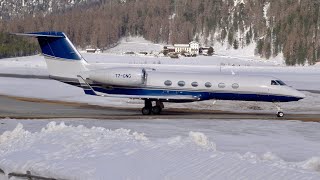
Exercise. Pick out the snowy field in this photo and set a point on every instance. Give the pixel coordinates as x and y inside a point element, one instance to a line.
<point>162,149</point>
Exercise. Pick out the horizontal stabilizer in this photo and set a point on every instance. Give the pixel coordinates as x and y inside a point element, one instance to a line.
<point>52,34</point>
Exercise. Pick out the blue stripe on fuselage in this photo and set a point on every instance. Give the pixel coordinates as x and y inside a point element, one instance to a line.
<point>201,95</point>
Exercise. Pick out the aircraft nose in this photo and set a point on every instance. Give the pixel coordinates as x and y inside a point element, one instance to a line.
<point>299,94</point>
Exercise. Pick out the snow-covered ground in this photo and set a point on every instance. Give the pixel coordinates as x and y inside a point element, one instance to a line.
<point>136,45</point>
<point>246,52</point>
<point>161,149</point>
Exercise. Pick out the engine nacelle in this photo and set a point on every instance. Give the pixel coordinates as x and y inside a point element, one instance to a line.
<point>120,76</point>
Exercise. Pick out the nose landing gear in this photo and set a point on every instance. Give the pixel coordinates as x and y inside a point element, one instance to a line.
<point>279,112</point>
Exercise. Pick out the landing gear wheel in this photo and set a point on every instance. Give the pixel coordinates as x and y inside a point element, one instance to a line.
<point>148,108</point>
<point>280,114</point>
<point>146,111</point>
<point>156,110</point>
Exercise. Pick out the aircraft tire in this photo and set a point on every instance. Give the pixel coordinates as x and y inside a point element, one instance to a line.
<point>280,114</point>
<point>156,110</point>
<point>146,111</point>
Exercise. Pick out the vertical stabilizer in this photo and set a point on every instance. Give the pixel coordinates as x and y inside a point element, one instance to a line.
<point>62,58</point>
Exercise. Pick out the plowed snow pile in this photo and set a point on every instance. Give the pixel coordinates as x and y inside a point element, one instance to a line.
<point>70,152</point>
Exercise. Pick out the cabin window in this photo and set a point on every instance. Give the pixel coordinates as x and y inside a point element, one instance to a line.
<point>274,83</point>
<point>194,84</point>
<point>168,83</point>
<point>208,84</point>
<point>181,83</point>
<point>235,86</point>
<point>221,85</point>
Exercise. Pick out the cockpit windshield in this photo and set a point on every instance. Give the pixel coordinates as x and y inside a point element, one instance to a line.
<point>278,82</point>
<point>281,82</point>
<point>273,82</point>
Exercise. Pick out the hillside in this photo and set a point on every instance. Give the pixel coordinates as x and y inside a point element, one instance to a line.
<point>20,8</point>
<point>288,27</point>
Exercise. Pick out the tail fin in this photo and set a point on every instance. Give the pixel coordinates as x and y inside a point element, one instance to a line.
<point>62,58</point>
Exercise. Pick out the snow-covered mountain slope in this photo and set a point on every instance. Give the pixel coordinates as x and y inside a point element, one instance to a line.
<point>286,28</point>
<point>19,8</point>
<point>136,45</point>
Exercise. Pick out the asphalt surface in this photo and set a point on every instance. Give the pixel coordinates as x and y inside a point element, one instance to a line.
<point>30,108</point>
<point>17,107</point>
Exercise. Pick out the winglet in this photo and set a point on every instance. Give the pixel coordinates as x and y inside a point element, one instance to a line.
<point>86,87</point>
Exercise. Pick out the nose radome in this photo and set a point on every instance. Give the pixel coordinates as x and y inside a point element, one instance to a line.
<point>300,94</point>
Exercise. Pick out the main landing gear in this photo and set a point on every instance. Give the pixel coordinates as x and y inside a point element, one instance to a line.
<point>279,112</point>
<point>149,109</point>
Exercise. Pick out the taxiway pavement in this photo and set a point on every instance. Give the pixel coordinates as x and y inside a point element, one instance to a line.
<point>31,108</point>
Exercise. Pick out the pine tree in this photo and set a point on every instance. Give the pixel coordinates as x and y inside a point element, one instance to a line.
<point>267,53</point>
<point>248,38</point>
<point>230,37</point>
<point>259,47</point>
<point>235,44</point>
<point>210,51</point>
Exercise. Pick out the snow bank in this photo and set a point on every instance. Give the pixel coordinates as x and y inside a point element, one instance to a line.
<point>312,163</point>
<point>202,140</point>
<point>77,152</point>
<point>17,133</point>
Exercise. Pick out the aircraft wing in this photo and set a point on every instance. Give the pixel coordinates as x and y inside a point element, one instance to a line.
<point>166,98</point>
<point>89,90</point>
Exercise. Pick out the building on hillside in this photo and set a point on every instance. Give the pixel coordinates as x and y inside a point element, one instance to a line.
<point>191,48</point>
<point>93,50</point>
<point>171,49</point>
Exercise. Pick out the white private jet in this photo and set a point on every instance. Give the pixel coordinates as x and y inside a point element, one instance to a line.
<point>66,64</point>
